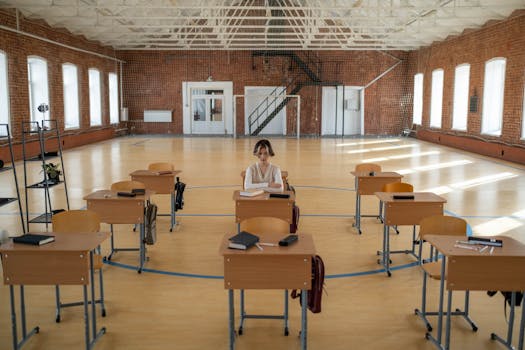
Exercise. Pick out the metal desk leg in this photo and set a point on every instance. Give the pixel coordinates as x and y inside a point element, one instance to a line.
<point>357,207</point>
<point>13,317</point>
<point>96,336</point>
<point>429,336</point>
<point>508,342</point>
<point>449,311</point>
<point>25,335</point>
<point>304,302</point>
<point>522,323</point>
<point>86,316</point>
<point>231,320</point>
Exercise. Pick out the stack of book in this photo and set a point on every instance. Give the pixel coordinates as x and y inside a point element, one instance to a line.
<point>34,239</point>
<point>251,192</point>
<point>243,240</point>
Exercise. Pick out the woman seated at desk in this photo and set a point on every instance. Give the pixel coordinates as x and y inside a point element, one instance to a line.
<point>263,174</point>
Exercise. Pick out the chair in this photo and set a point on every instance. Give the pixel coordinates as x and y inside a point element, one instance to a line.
<point>161,167</point>
<point>79,221</point>
<point>367,167</point>
<point>439,225</point>
<point>399,187</point>
<point>126,186</point>
<point>258,226</point>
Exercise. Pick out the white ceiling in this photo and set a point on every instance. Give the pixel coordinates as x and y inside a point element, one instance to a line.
<point>265,24</point>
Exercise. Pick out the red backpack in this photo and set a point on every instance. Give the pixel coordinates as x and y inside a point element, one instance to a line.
<point>314,294</point>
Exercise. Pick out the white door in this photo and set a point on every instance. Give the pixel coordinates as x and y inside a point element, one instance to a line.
<point>207,111</point>
<point>263,100</point>
<point>207,107</point>
<point>339,110</point>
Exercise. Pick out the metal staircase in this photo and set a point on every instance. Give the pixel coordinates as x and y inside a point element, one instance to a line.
<point>277,98</point>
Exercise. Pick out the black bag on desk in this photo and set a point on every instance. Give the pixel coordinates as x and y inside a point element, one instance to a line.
<point>150,234</point>
<point>179,194</point>
<point>314,294</point>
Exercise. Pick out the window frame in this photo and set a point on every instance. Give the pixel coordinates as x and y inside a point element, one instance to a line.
<point>489,101</point>
<point>417,115</point>
<point>112,103</point>
<point>464,94</point>
<point>92,101</point>
<point>7,112</point>
<point>436,101</point>
<point>66,98</point>
<point>31,83</point>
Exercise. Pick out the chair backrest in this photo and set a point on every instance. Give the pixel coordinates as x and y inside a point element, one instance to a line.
<point>442,225</point>
<point>161,167</point>
<point>76,221</point>
<point>367,167</point>
<point>127,185</point>
<point>265,224</point>
<point>398,187</point>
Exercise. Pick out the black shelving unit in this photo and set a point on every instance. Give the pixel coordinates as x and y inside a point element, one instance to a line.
<point>8,200</point>
<point>47,130</point>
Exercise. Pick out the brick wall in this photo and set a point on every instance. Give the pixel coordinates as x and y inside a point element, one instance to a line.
<point>18,47</point>
<point>153,80</point>
<point>496,39</point>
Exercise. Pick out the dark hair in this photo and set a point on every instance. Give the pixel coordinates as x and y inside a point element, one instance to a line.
<point>263,144</point>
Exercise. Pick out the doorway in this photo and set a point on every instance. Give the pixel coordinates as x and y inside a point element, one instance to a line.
<point>257,101</point>
<point>207,108</point>
<point>340,111</point>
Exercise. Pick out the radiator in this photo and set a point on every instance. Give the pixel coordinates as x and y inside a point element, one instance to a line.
<point>157,115</point>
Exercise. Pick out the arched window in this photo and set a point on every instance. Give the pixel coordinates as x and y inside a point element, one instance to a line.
<point>70,83</point>
<point>4,93</point>
<point>461,86</point>
<point>493,92</point>
<point>418,99</point>
<point>95,107</point>
<point>38,88</point>
<point>113,98</point>
<point>436,100</point>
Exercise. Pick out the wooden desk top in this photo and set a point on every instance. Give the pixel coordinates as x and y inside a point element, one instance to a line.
<point>445,244</point>
<point>303,246</point>
<point>263,197</point>
<point>389,174</point>
<point>112,195</point>
<point>154,173</point>
<point>418,197</point>
<point>77,241</point>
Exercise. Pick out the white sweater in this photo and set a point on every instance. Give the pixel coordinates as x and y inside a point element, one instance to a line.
<point>256,179</point>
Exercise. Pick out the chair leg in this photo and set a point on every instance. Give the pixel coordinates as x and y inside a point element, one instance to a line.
<point>112,242</point>
<point>57,297</point>
<point>423,312</point>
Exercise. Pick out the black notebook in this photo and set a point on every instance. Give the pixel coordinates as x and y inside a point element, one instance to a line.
<point>34,239</point>
<point>243,240</point>
<point>403,196</point>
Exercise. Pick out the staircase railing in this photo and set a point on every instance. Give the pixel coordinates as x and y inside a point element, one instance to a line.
<point>279,93</point>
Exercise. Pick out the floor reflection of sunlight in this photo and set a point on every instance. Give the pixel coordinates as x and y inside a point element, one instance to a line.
<point>470,183</point>
<point>483,180</point>
<point>434,166</point>
<point>366,142</point>
<point>401,156</point>
<point>519,214</point>
<point>377,149</point>
<point>496,226</point>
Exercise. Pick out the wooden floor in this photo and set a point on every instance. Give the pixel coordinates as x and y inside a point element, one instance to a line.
<point>165,309</point>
